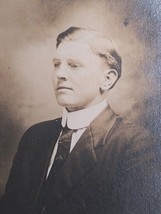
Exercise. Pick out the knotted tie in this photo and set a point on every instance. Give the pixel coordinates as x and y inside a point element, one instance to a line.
<point>62,152</point>
<point>60,157</point>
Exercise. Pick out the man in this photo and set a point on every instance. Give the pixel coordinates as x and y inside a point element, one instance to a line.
<point>110,166</point>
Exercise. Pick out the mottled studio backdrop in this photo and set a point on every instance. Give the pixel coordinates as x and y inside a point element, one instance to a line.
<point>27,40</point>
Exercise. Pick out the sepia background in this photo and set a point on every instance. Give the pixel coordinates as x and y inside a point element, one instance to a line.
<point>27,43</point>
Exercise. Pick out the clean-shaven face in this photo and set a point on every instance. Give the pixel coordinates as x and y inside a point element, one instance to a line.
<point>78,75</point>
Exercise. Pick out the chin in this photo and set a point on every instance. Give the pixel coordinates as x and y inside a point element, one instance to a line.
<point>65,103</point>
<point>69,105</point>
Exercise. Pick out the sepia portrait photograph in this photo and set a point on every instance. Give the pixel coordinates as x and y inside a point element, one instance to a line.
<point>80,107</point>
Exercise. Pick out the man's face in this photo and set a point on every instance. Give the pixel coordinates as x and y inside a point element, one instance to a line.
<point>78,75</point>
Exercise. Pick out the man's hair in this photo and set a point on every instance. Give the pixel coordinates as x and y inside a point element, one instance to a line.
<point>98,42</point>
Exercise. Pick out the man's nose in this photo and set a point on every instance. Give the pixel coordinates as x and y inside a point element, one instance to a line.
<point>62,72</point>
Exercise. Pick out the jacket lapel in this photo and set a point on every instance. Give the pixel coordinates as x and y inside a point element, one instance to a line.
<point>83,157</point>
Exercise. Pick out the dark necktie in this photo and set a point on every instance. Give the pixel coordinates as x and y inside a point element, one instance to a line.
<point>60,157</point>
<point>62,152</point>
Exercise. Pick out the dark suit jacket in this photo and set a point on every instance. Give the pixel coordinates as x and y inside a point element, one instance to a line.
<point>113,169</point>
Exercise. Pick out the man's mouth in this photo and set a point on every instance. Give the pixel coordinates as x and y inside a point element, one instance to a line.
<point>63,87</point>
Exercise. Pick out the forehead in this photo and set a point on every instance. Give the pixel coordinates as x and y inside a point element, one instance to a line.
<point>78,50</point>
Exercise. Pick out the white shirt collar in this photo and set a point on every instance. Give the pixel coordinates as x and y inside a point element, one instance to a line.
<point>82,118</point>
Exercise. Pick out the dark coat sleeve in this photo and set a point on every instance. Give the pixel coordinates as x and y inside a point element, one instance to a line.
<point>15,189</point>
<point>22,185</point>
<point>139,175</point>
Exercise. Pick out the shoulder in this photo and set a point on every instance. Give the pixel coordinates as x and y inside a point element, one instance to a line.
<point>129,130</point>
<point>130,139</point>
<point>40,132</point>
<point>133,146</point>
<point>43,127</point>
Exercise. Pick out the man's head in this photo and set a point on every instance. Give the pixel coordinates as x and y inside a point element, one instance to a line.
<point>86,66</point>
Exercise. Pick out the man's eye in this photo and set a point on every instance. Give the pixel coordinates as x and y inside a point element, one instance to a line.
<point>72,65</point>
<point>56,65</point>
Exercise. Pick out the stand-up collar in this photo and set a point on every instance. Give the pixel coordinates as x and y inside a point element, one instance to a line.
<point>82,118</point>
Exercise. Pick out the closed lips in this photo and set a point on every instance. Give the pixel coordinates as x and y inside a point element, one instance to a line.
<point>63,87</point>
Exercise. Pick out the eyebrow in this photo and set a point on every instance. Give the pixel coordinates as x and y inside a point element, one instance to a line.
<point>56,59</point>
<point>69,60</point>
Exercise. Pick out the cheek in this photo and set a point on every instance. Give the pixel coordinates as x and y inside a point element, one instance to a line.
<point>87,84</point>
<point>54,80</point>
<point>93,82</point>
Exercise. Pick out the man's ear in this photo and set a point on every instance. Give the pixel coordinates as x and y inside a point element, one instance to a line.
<point>111,77</point>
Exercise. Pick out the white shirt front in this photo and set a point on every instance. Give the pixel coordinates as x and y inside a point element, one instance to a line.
<point>78,121</point>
